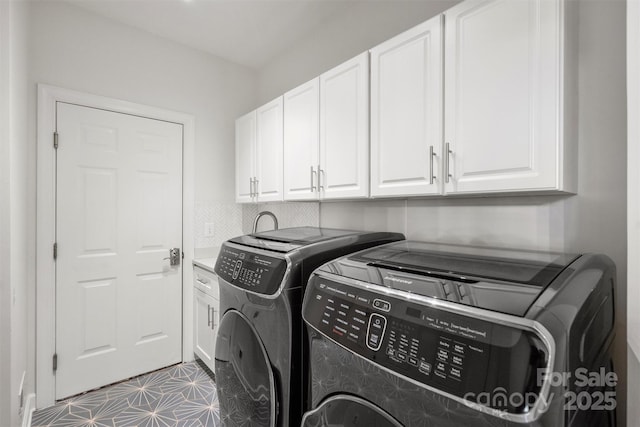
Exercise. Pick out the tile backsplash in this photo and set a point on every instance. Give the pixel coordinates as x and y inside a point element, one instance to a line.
<point>231,219</point>
<point>289,215</point>
<point>226,218</point>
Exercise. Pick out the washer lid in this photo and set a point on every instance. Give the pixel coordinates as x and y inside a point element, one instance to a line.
<point>503,280</point>
<point>289,239</point>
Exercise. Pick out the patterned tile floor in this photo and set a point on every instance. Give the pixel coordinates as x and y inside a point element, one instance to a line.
<point>183,396</point>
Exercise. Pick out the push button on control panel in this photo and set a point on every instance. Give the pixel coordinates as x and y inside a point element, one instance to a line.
<point>236,270</point>
<point>381,305</point>
<point>375,332</point>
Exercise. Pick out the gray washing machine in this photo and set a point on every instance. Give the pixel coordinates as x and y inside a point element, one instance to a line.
<point>260,348</point>
<point>415,334</point>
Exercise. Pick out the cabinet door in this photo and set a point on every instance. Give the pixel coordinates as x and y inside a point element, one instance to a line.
<point>301,137</point>
<point>502,95</point>
<point>245,156</point>
<point>406,112</point>
<point>205,311</point>
<point>269,151</point>
<point>344,130</point>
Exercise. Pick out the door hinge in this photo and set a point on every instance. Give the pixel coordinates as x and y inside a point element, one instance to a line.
<point>55,362</point>
<point>55,251</point>
<point>55,140</point>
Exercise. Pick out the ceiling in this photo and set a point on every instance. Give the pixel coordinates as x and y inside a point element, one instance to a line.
<point>247,32</point>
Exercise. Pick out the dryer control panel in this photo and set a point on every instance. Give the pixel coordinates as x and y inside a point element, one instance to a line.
<point>249,270</point>
<point>454,353</point>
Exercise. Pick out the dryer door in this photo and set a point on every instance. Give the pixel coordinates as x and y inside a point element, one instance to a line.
<point>348,411</point>
<point>244,377</point>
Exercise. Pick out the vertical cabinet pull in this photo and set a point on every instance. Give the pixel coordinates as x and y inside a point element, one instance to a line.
<point>313,187</point>
<point>431,156</point>
<point>253,187</point>
<point>320,181</point>
<point>213,318</point>
<point>208,315</point>
<point>447,172</point>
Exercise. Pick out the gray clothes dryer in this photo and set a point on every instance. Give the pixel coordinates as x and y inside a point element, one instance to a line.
<point>260,347</point>
<point>414,334</point>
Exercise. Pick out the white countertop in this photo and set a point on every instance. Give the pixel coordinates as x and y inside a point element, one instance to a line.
<point>206,263</point>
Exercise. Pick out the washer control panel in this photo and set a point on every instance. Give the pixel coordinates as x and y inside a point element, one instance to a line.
<point>251,271</point>
<point>454,353</point>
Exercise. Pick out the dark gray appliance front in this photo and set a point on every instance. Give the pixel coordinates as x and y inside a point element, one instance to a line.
<point>401,329</point>
<point>260,348</point>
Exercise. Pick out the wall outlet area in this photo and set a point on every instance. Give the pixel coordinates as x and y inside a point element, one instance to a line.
<point>209,229</point>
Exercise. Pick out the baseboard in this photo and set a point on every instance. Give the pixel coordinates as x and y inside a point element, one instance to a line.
<point>29,407</point>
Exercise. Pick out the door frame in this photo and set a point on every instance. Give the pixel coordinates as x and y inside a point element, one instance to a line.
<point>48,96</point>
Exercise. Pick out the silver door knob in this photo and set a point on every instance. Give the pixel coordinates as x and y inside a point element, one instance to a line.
<point>174,256</point>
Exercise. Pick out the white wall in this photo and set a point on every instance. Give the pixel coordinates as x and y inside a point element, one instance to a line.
<point>21,230</point>
<point>5,213</point>
<point>633,208</point>
<point>14,228</point>
<point>75,49</point>
<point>363,26</point>
<point>592,221</point>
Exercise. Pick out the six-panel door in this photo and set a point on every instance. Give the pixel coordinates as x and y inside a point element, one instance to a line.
<point>118,212</point>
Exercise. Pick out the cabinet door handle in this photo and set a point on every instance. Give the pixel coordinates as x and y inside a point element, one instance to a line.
<point>313,187</point>
<point>208,315</point>
<point>213,318</point>
<point>431,156</point>
<point>320,173</point>
<point>255,182</point>
<point>447,172</point>
<point>250,187</point>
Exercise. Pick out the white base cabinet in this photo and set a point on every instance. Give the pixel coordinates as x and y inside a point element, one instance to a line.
<point>206,316</point>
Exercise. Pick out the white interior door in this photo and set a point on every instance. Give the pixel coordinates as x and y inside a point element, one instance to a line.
<point>119,204</point>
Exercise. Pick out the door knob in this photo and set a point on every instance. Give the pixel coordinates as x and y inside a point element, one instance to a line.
<point>174,256</point>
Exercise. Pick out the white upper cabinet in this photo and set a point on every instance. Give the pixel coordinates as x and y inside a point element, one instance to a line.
<point>344,130</point>
<point>406,112</point>
<point>505,97</point>
<point>301,139</point>
<point>259,154</point>
<point>268,184</point>
<point>326,135</point>
<point>245,157</point>
<point>478,100</point>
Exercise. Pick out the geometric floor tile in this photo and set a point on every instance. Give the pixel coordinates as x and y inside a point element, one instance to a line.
<point>183,395</point>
